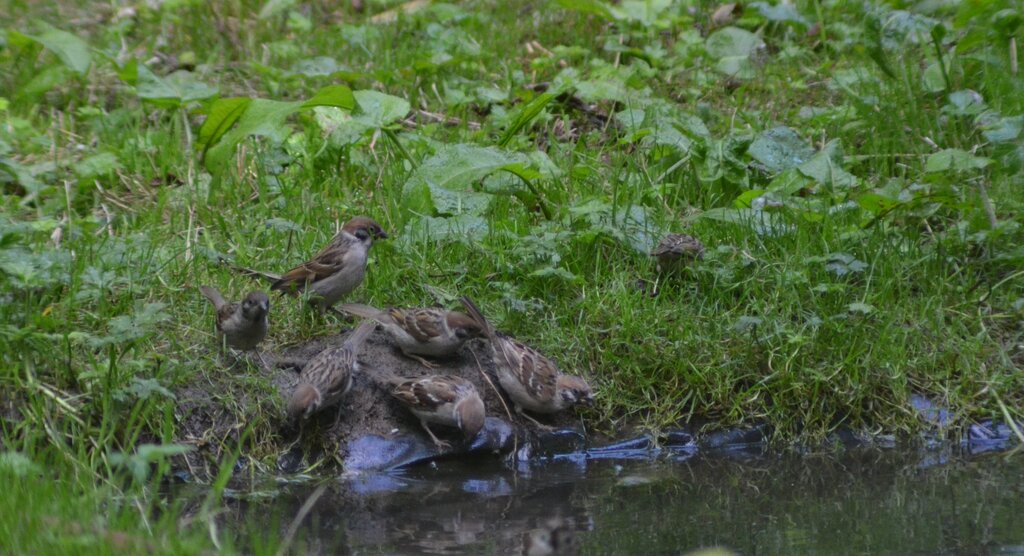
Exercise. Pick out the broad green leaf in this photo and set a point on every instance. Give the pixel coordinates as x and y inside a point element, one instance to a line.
<point>222,115</point>
<point>645,12</point>
<point>876,204</point>
<point>1000,129</point>
<point>318,66</point>
<point>442,184</point>
<point>178,88</point>
<point>954,160</point>
<point>779,149</point>
<point>459,227</point>
<point>45,81</point>
<point>525,115</point>
<point>232,120</point>
<point>338,96</point>
<point>824,168</point>
<point>261,117</point>
<point>964,103</point>
<point>783,11</point>
<point>733,48</point>
<point>379,109</point>
<point>72,51</point>
<point>97,165</point>
<point>594,90</point>
<point>459,166</point>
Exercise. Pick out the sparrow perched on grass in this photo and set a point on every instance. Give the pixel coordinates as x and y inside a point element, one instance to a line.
<point>431,332</point>
<point>532,381</point>
<point>677,250</point>
<point>442,399</point>
<point>240,325</point>
<point>327,377</point>
<point>338,268</point>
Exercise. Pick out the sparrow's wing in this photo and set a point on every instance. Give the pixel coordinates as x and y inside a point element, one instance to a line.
<point>534,371</point>
<point>422,324</point>
<point>225,312</point>
<point>329,261</point>
<point>366,312</point>
<point>427,394</point>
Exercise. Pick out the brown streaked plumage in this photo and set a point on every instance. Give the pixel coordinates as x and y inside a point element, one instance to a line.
<point>441,399</point>
<point>531,380</point>
<point>338,268</point>
<point>430,331</point>
<point>240,325</point>
<point>327,377</point>
<point>677,250</point>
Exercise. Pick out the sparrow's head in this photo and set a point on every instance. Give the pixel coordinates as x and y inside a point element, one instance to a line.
<point>305,401</point>
<point>469,415</point>
<point>365,229</point>
<point>574,390</point>
<point>463,326</point>
<point>255,306</point>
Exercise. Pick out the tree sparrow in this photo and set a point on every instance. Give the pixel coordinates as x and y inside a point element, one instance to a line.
<point>338,268</point>
<point>327,377</point>
<point>442,399</point>
<point>240,325</point>
<point>677,250</point>
<point>532,381</point>
<point>432,332</point>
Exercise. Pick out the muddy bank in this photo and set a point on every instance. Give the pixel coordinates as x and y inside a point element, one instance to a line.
<point>374,430</point>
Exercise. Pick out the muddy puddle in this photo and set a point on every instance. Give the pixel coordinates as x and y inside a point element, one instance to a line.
<point>859,501</point>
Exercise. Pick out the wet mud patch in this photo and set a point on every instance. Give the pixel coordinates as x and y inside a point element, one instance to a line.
<point>374,431</point>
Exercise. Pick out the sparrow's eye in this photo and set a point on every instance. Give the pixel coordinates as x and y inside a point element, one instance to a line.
<point>362,234</point>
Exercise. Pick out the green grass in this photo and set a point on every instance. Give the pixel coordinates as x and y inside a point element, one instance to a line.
<point>875,274</point>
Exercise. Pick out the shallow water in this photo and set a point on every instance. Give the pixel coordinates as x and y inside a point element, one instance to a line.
<point>863,501</point>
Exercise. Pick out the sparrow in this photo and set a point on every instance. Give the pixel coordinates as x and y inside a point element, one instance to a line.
<point>327,377</point>
<point>677,250</point>
<point>532,381</point>
<point>240,325</point>
<point>432,332</point>
<point>338,268</point>
<point>441,399</point>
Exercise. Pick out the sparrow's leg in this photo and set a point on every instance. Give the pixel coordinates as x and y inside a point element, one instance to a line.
<point>542,426</point>
<point>263,361</point>
<point>423,361</point>
<point>441,444</point>
<point>337,419</point>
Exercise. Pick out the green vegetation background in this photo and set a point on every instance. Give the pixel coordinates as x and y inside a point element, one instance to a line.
<point>853,168</point>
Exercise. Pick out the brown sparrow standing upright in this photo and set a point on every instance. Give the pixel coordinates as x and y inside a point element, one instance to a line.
<point>240,325</point>
<point>327,377</point>
<point>432,332</point>
<point>677,250</point>
<point>338,268</point>
<point>442,399</point>
<point>531,380</point>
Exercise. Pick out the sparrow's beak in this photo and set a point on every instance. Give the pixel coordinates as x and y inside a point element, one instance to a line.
<point>381,235</point>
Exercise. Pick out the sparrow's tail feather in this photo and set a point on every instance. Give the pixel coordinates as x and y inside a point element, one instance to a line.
<point>213,295</point>
<point>365,311</point>
<point>358,336</point>
<point>475,314</point>
<point>268,276</point>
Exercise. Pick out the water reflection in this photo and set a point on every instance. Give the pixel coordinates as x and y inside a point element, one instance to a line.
<point>863,501</point>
